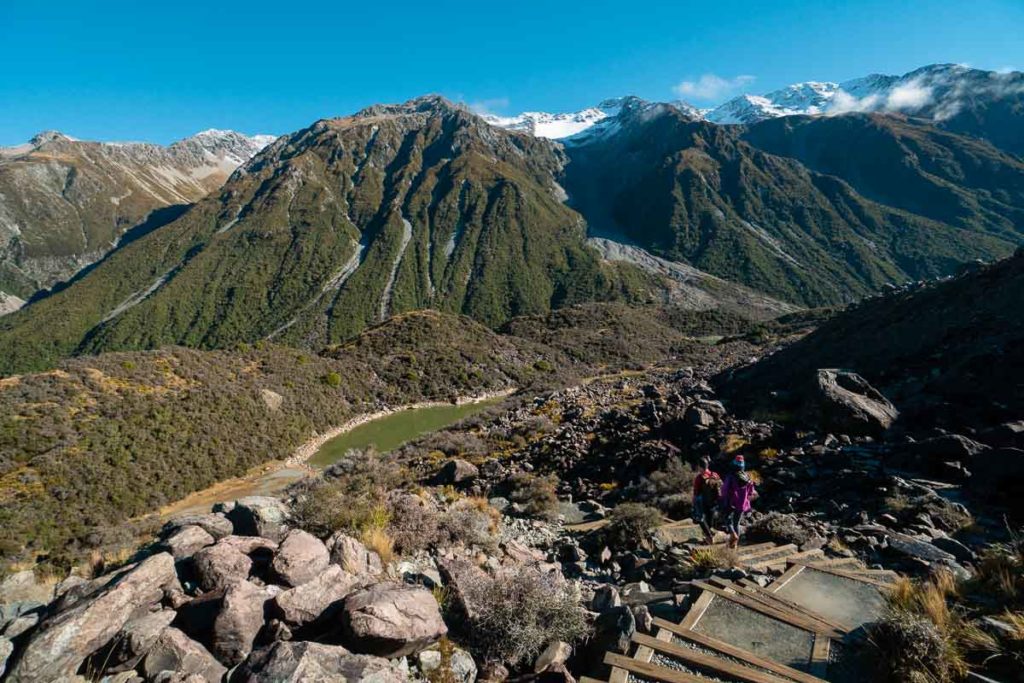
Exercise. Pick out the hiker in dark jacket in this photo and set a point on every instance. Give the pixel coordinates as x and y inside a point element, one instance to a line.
<point>737,492</point>
<point>706,487</point>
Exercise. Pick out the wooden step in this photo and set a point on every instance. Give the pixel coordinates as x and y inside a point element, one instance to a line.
<point>739,653</point>
<point>874,580</point>
<point>704,662</point>
<point>648,670</point>
<point>848,563</point>
<point>767,553</point>
<point>751,550</point>
<point>781,562</point>
<point>773,601</point>
<point>786,616</point>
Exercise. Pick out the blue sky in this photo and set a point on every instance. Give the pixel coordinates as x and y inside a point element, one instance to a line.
<point>160,71</point>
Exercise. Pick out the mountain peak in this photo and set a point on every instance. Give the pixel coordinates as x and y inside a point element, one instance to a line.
<point>428,104</point>
<point>46,136</point>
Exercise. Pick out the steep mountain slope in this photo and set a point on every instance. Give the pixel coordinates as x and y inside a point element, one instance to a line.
<point>952,349</point>
<point>64,202</point>
<point>695,192</point>
<point>905,163</point>
<point>334,228</point>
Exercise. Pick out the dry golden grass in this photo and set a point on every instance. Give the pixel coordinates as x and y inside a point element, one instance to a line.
<point>379,541</point>
<point>712,557</point>
<point>734,443</point>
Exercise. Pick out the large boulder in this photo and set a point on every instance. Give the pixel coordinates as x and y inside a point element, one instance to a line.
<point>238,622</point>
<point>392,620</point>
<point>214,523</point>
<point>60,645</point>
<point>259,516</point>
<point>353,555</point>
<point>457,471</point>
<point>133,642</point>
<point>843,402</point>
<point>295,662</point>
<point>459,576</point>
<point>300,558</point>
<point>6,648</point>
<point>175,651</point>
<point>187,541</point>
<point>315,599</point>
<point>219,566</point>
<point>24,586</point>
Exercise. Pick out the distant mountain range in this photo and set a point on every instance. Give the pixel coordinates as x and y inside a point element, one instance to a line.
<point>425,204</point>
<point>64,203</point>
<point>963,99</point>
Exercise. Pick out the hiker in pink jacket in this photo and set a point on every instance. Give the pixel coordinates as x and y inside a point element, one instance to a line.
<point>737,492</point>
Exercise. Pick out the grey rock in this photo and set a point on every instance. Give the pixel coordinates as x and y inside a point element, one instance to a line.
<point>175,651</point>
<point>238,622</point>
<point>259,516</point>
<point>134,640</point>
<point>23,586</point>
<point>60,645</point>
<point>300,558</point>
<point>909,546</point>
<point>843,401</point>
<point>613,631</point>
<point>353,556</point>
<point>461,664</point>
<point>605,598</point>
<point>457,471</point>
<point>557,652</point>
<point>955,548</point>
<point>214,523</point>
<point>307,662</point>
<point>219,566</point>
<point>948,447</point>
<point>247,545</point>
<point>6,649</point>
<point>458,575</point>
<point>317,598</point>
<point>392,620</point>
<point>186,541</point>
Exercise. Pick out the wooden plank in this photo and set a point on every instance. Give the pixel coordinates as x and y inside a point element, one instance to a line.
<point>805,556</point>
<point>588,679</point>
<point>849,575</point>
<point>788,576</point>
<point>750,558</point>
<point>619,675</point>
<point>697,610</point>
<point>644,653</point>
<point>700,660</point>
<point>736,652</point>
<point>839,562</point>
<point>744,550</point>
<point>585,527</point>
<point>785,616</point>
<point>819,655</point>
<point>653,671</point>
<point>797,607</point>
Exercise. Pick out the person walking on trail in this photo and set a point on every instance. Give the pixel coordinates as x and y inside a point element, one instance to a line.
<point>737,492</point>
<point>706,487</point>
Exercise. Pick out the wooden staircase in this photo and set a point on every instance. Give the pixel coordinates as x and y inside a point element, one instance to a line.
<point>741,631</point>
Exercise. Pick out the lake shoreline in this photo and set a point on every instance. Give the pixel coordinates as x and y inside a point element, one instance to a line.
<point>302,454</point>
<point>298,461</point>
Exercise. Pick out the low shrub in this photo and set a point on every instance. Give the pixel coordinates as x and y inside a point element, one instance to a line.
<point>414,523</point>
<point>631,524</point>
<point>536,494</point>
<point>471,522</point>
<point>517,613</point>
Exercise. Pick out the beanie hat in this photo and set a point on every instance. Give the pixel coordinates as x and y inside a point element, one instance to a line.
<point>739,462</point>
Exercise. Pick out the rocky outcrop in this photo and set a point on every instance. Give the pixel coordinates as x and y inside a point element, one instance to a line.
<point>392,620</point>
<point>352,555</point>
<point>287,662</point>
<point>63,642</point>
<point>844,402</point>
<point>240,619</point>
<point>259,516</point>
<point>300,558</point>
<point>188,540</point>
<point>221,565</point>
<point>174,651</point>
<point>214,523</point>
<point>134,641</point>
<point>316,599</point>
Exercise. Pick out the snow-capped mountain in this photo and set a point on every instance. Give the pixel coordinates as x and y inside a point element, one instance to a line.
<point>599,120</point>
<point>938,92</point>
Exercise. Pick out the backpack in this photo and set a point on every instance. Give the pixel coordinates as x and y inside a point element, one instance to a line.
<point>711,490</point>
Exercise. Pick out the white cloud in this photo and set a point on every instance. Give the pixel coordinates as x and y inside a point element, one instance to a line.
<point>489,107</point>
<point>711,87</point>
<point>908,97</point>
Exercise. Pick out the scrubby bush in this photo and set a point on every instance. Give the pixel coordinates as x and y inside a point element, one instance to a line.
<point>414,523</point>
<point>631,524</point>
<point>705,559</point>
<point>779,528</point>
<point>471,521</point>
<point>517,613</point>
<point>536,494</point>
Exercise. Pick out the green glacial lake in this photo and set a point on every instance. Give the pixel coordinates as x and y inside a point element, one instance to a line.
<point>391,431</point>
